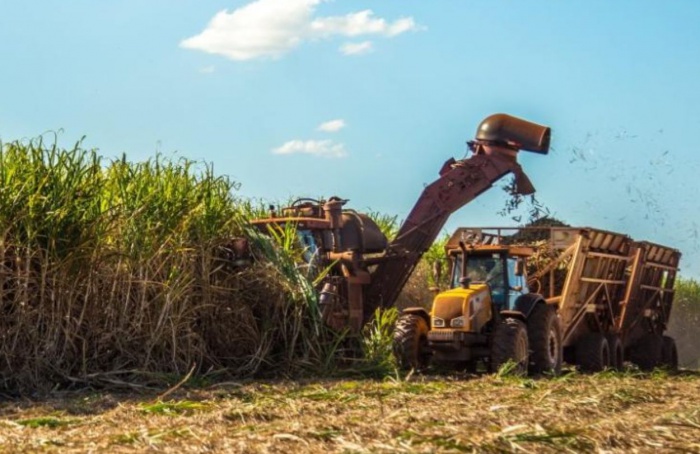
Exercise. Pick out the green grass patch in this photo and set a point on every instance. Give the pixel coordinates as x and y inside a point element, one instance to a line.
<point>46,421</point>
<point>152,437</point>
<point>175,407</point>
<point>327,433</point>
<point>554,438</point>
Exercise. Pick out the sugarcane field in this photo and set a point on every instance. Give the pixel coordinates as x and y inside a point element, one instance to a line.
<point>465,228</point>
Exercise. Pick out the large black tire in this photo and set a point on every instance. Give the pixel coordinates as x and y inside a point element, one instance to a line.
<point>669,354</point>
<point>593,352</point>
<point>510,343</point>
<point>544,335</point>
<point>647,352</point>
<point>617,352</point>
<point>411,342</point>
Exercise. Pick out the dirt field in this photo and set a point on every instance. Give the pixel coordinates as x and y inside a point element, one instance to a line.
<point>574,413</point>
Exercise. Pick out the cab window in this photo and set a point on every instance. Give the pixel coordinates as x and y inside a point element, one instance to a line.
<point>515,281</point>
<point>480,269</point>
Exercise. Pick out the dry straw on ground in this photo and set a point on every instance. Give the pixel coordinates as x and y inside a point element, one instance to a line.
<point>611,413</point>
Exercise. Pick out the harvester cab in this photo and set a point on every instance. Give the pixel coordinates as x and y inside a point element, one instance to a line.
<point>336,243</point>
<point>324,227</point>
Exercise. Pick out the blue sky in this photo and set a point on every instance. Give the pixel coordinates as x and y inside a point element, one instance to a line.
<point>316,98</point>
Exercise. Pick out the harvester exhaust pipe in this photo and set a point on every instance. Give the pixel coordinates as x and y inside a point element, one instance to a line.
<point>464,280</point>
<point>514,133</point>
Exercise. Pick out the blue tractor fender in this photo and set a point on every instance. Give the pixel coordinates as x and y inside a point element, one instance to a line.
<point>526,303</point>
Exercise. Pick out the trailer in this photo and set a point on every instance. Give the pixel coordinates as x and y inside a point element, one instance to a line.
<point>612,295</point>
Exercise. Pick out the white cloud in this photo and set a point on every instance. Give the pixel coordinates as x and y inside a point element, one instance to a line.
<point>271,28</point>
<point>207,69</point>
<point>362,48</point>
<point>322,148</point>
<point>361,23</point>
<point>332,125</point>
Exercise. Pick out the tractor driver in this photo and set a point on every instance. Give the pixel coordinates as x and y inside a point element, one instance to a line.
<point>495,280</point>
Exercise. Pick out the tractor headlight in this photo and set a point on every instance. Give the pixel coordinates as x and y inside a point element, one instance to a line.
<point>457,322</point>
<point>438,322</point>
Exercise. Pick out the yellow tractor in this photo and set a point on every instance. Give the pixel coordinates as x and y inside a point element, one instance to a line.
<point>487,315</point>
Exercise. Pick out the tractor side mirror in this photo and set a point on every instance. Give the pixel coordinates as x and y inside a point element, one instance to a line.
<point>464,282</point>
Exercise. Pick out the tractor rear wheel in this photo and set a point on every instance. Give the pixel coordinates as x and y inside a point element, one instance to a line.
<point>411,342</point>
<point>593,352</point>
<point>544,334</point>
<point>647,353</point>
<point>510,344</point>
<point>617,352</point>
<point>669,354</point>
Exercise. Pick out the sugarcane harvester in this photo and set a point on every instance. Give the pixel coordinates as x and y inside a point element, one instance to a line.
<point>357,269</point>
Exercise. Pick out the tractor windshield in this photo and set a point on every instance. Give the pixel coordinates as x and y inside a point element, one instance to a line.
<point>496,270</point>
<point>487,269</point>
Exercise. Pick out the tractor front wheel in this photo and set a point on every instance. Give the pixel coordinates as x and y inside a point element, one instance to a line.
<point>411,342</point>
<point>510,345</point>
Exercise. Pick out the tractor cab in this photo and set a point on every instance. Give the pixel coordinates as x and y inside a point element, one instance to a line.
<point>500,268</point>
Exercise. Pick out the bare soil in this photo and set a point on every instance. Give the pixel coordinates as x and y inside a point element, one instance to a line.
<point>606,412</point>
